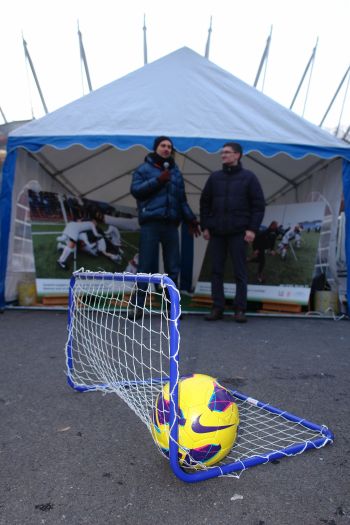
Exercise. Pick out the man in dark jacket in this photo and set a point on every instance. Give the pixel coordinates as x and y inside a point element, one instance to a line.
<point>232,208</point>
<point>159,189</point>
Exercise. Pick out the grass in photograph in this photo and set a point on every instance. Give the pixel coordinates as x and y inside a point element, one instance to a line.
<point>292,270</point>
<point>46,254</point>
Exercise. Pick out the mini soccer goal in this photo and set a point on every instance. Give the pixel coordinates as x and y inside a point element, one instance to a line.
<point>123,338</point>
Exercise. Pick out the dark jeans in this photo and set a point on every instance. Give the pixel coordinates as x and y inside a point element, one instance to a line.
<point>152,235</point>
<point>236,246</point>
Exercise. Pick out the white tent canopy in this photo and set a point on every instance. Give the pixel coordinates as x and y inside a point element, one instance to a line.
<point>91,146</point>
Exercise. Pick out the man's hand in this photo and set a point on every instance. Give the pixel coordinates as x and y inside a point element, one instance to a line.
<point>193,228</point>
<point>206,235</point>
<point>249,236</point>
<point>164,176</point>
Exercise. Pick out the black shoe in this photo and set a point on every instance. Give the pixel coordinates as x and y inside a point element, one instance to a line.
<point>214,315</point>
<point>240,317</point>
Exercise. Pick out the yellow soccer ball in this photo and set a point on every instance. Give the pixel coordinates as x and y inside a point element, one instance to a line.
<point>208,420</point>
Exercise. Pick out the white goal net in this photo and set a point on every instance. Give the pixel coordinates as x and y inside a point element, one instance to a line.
<point>123,337</point>
<point>115,346</point>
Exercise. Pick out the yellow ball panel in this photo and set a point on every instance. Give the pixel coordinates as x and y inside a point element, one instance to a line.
<point>208,420</point>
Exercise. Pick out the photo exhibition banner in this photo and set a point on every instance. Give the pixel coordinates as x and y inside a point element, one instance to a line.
<point>70,233</point>
<point>281,260</point>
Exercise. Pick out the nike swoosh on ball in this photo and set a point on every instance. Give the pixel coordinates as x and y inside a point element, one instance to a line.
<point>201,429</point>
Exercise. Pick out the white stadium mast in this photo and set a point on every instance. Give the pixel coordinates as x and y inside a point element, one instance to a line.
<point>3,115</point>
<point>207,47</point>
<point>27,56</point>
<point>263,61</point>
<point>83,59</point>
<point>334,96</point>
<point>145,61</point>
<point>309,65</point>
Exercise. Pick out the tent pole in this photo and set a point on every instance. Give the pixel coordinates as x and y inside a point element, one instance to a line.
<point>275,172</point>
<point>65,185</point>
<point>302,177</point>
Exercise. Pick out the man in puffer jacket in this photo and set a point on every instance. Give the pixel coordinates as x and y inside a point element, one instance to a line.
<point>159,189</point>
<point>232,208</point>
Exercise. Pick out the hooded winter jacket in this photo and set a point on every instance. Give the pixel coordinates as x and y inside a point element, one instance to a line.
<point>232,201</point>
<point>157,200</point>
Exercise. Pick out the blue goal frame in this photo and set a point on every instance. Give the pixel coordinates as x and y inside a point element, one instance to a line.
<point>325,435</point>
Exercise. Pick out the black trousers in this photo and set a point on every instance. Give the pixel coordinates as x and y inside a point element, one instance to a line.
<point>235,246</point>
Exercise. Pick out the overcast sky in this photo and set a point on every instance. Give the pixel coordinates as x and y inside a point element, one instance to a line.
<point>113,41</point>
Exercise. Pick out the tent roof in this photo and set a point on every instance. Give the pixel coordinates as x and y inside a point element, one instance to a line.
<point>187,97</point>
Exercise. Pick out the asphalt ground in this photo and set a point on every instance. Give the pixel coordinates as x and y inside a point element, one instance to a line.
<point>85,458</point>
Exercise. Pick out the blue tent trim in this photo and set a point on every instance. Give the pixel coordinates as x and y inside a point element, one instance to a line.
<point>346,190</point>
<point>5,217</point>
<point>182,144</point>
